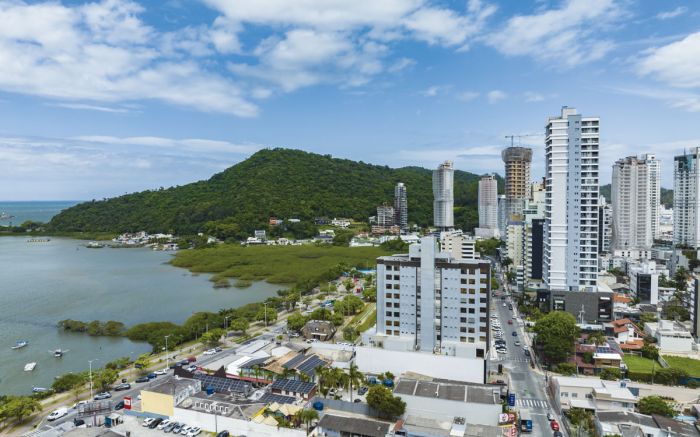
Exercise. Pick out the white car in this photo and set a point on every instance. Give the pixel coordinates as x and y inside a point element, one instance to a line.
<point>185,429</point>
<point>163,424</point>
<point>57,414</point>
<point>161,372</point>
<point>147,422</point>
<point>209,352</point>
<point>194,431</point>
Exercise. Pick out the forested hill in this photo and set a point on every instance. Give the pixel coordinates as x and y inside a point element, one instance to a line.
<point>283,183</point>
<point>666,195</point>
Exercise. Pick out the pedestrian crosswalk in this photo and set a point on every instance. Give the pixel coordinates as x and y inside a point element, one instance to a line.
<point>520,359</point>
<point>532,403</point>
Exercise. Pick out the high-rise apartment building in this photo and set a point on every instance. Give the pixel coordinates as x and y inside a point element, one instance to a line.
<point>686,206</point>
<point>385,215</point>
<point>632,203</point>
<point>458,245</point>
<point>517,183</point>
<point>604,226</point>
<point>488,202</point>
<point>401,207</point>
<point>443,196</point>
<point>654,169</point>
<point>428,301</point>
<point>571,202</point>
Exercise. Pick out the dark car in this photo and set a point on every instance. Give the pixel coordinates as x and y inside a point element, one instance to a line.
<point>142,379</point>
<point>119,405</point>
<point>78,422</point>
<point>362,391</point>
<point>515,334</point>
<point>170,427</point>
<point>184,363</point>
<point>124,386</point>
<point>557,434</point>
<point>155,423</point>
<point>223,434</point>
<point>151,376</point>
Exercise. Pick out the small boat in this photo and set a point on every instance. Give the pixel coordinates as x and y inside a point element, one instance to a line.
<point>39,389</point>
<point>6,216</point>
<point>58,353</point>
<point>20,344</point>
<point>29,367</point>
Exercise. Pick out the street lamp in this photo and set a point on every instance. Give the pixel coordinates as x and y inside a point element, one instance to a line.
<point>226,322</point>
<point>265,305</point>
<point>90,363</point>
<point>167,361</point>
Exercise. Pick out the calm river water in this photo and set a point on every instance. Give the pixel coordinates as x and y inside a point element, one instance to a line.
<point>43,283</point>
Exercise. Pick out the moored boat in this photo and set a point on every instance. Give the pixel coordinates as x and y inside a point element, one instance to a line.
<point>29,366</point>
<point>20,344</point>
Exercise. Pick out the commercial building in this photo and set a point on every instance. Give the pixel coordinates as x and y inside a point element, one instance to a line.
<point>591,394</point>
<point>443,196</point>
<point>431,302</point>
<point>162,398</point>
<point>571,213</point>
<point>488,202</point>
<point>686,207</point>
<point>401,207</point>
<point>644,281</point>
<point>635,208</point>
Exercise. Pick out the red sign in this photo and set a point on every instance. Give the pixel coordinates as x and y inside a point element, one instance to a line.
<point>127,402</point>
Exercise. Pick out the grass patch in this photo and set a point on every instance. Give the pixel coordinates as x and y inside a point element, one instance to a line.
<point>241,283</point>
<point>688,364</point>
<point>368,323</point>
<point>639,364</point>
<point>277,265</point>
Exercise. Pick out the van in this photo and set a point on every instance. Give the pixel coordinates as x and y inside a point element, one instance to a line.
<point>57,414</point>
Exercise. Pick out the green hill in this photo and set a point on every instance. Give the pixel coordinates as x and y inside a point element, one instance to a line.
<point>273,182</point>
<point>666,195</point>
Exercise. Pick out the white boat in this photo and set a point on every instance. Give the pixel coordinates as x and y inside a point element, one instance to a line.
<point>58,353</point>
<point>29,367</point>
<point>20,344</point>
<point>39,389</point>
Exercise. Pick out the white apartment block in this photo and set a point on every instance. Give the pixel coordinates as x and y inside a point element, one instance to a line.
<point>571,211</point>
<point>654,169</point>
<point>458,245</point>
<point>686,207</point>
<point>488,202</point>
<point>515,242</point>
<point>605,218</point>
<point>443,196</point>
<point>635,208</point>
<point>431,302</point>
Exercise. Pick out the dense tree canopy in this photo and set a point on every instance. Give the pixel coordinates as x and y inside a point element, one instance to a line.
<point>655,405</point>
<point>383,400</point>
<point>282,183</point>
<point>556,333</point>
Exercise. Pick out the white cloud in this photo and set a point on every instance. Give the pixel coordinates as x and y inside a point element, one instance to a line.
<point>496,96</point>
<point>676,63</point>
<point>467,96</point>
<point>103,52</point>
<point>533,97</point>
<point>83,106</point>
<point>190,144</point>
<point>564,37</point>
<point>667,15</point>
<point>687,101</point>
<point>401,64</point>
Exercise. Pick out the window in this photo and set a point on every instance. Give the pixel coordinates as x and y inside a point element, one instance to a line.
<point>388,313</point>
<point>574,395</point>
<point>479,353</point>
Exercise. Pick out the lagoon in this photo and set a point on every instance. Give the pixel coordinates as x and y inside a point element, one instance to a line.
<point>43,283</point>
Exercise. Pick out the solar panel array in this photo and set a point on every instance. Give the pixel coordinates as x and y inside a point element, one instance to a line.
<point>254,362</point>
<point>309,365</point>
<point>223,385</point>
<point>293,385</point>
<point>280,399</point>
<point>291,364</point>
<point>604,350</point>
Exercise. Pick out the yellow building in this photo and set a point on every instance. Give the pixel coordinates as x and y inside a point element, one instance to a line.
<point>161,398</point>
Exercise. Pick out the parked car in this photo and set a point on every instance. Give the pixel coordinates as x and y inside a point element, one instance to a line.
<point>178,428</point>
<point>557,434</point>
<point>164,423</point>
<point>147,422</point>
<point>124,386</point>
<point>57,414</point>
<point>550,416</point>
<point>192,359</point>
<point>151,376</point>
<point>223,434</point>
<point>119,405</point>
<point>103,395</point>
<point>194,431</point>
<point>555,425</point>
<point>79,423</point>
<point>161,372</point>
<point>169,427</point>
<point>184,362</point>
<point>155,423</point>
<point>209,352</point>
<point>142,379</point>
<point>362,391</point>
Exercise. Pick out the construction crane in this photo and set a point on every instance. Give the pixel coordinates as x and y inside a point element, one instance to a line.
<point>519,137</point>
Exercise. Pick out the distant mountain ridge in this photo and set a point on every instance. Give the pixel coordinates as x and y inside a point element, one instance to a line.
<point>282,183</point>
<point>666,195</point>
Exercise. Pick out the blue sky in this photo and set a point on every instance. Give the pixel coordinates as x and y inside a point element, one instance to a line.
<point>98,99</point>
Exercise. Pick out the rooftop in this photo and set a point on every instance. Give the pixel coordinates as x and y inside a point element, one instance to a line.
<point>354,425</point>
<point>293,385</point>
<point>448,391</point>
<point>174,385</point>
<point>222,405</point>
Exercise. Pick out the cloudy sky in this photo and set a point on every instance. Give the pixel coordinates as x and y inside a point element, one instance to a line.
<point>114,96</point>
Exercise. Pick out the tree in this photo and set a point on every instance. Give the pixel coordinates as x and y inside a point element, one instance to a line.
<point>387,405</point>
<point>597,338</point>
<point>610,374</point>
<point>655,405</point>
<point>296,321</point>
<point>580,418</point>
<point>307,416</point>
<point>239,325</point>
<point>670,376</point>
<point>67,382</point>
<point>104,379</point>
<point>565,369</point>
<point>355,377</point>
<point>142,363</point>
<point>557,332</point>
<point>19,407</point>
<point>369,294</point>
<point>646,318</point>
<point>650,351</point>
<point>213,337</point>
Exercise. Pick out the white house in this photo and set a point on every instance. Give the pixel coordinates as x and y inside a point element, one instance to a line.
<point>592,394</point>
<point>670,336</point>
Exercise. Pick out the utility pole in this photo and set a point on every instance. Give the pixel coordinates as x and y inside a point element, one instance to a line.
<point>226,322</point>
<point>90,363</point>
<point>167,361</point>
<point>265,305</point>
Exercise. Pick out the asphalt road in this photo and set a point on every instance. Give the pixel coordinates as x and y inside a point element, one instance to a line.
<point>527,384</point>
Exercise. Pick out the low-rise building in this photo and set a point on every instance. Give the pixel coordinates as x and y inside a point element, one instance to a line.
<point>627,423</point>
<point>292,387</point>
<point>161,398</point>
<point>626,334</point>
<point>670,336</point>
<point>591,394</point>
<point>340,223</point>
<point>321,330</point>
<point>335,425</point>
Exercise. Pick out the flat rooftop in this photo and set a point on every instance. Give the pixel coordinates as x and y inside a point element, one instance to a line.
<point>480,394</point>
<point>174,385</point>
<point>222,405</point>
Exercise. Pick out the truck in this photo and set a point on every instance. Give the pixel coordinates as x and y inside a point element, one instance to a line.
<point>525,421</point>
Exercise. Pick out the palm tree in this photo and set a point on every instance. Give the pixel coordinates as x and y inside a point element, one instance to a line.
<point>597,338</point>
<point>354,378</point>
<point>320,374</point>
<point>307,416</point>
<point>335,377</point>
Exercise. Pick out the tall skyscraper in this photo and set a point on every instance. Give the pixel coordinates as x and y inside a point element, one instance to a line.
<point>632,203</point>
<point>571,202</point>
<point>443,195</point>
<point>654,169</point>
<point>604,226</point>
<point>517,162</point>
<point>488,202</point>
<point>401,207</point>
<point>428,301</point>
<point>686,207</point>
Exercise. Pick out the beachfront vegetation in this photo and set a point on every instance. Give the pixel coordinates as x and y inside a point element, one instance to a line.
<point>282,183</point>
<point>17,407</point>
<point>95,328</point>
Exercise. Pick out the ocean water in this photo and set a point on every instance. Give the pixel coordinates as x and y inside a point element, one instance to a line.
<point>43,283</point>
<point>39,211</point>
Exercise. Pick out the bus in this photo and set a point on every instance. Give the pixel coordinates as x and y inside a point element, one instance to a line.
<point>525,421</point>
